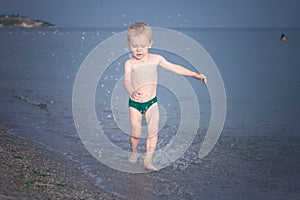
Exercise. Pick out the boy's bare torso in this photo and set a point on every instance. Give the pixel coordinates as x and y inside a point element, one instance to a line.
<point>143,76</point>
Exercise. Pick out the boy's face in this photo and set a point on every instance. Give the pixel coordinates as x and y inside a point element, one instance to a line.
<point>139,46</point>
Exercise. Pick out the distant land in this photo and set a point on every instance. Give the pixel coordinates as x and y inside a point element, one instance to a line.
<point>21,21</point>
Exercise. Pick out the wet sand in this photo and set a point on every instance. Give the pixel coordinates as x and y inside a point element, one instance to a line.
<point>30,171</point>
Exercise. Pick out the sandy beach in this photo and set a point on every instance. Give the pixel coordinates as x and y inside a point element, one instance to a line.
<point>29,171</point>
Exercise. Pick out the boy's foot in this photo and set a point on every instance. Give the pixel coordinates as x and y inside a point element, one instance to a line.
<point>148,162</point>
<point>151,167</point>
<point>133,158</point>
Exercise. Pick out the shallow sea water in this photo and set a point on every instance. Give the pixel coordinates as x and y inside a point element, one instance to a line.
<point>256,157</point>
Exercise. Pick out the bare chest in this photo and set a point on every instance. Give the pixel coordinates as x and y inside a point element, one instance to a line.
<point>144,73</point>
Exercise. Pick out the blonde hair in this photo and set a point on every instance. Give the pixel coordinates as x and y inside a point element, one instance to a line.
<point>139,28</point>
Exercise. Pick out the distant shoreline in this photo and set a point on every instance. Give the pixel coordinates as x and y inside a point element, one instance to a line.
<point>22,21</point>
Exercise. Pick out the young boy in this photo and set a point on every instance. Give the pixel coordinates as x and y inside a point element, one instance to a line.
<point>140,80</point>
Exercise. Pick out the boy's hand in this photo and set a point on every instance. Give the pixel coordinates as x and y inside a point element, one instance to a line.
<point>136,96</point>
<point>202,77</point>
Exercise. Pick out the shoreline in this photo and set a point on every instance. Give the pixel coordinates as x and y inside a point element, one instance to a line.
<point>22,21</point>
<point>29,171</point>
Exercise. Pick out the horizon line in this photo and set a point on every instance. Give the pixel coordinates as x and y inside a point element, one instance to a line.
<point>185,27</point>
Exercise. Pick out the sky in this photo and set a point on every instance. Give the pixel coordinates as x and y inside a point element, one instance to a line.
<point>159,13</point>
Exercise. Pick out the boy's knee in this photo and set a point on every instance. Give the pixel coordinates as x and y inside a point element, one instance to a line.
<point>153,130</point>
<point>152,134</point>
<point>136,134</point>
<point>136,137</point>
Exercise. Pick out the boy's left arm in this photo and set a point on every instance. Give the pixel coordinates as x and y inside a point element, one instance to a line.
<point>181,70</point>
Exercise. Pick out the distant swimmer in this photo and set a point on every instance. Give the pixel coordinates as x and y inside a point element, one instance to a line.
<point>282,37</point>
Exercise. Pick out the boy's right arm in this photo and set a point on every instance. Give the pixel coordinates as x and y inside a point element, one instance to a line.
<point>127,77</point>
<point>134,95</point>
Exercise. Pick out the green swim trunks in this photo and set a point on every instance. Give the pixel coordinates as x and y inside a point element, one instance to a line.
<point>142,107</point>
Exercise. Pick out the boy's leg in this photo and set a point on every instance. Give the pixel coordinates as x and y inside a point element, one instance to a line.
<point>136,130</point>
<point>152,118</point>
